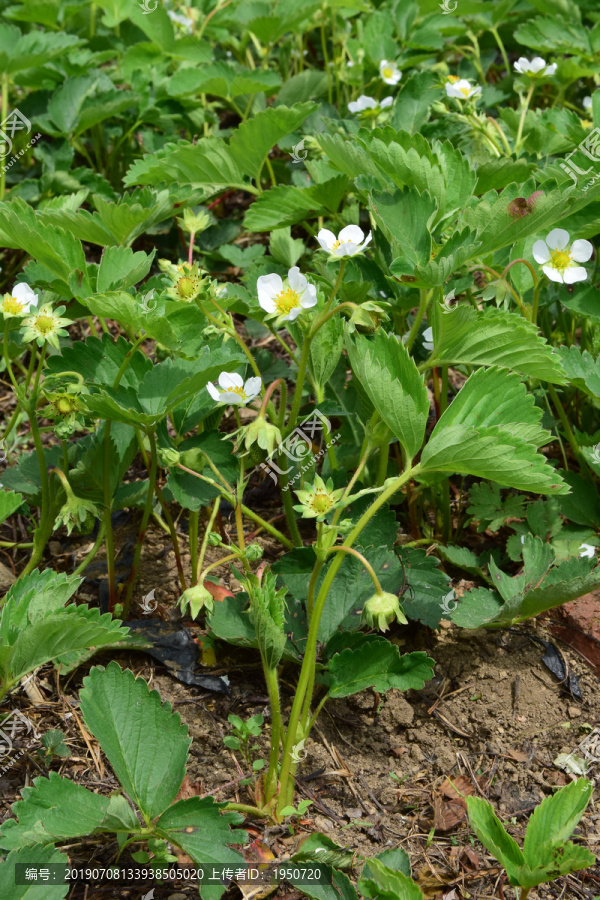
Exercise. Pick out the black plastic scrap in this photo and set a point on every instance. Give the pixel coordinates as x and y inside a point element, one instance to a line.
<point>175,648</point>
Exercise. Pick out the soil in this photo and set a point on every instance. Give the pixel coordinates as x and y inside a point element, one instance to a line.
<point>379,770</point>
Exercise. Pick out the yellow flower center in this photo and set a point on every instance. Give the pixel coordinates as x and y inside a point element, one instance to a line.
<point>321,502</point>
<point>44,324</point>
<point>286,301</point>
<point>65,405</point>
<point>560,259</point>
<point>585,123</point>
<point>387,72</point>
<point>453,79</point>
<point>236,390</point>
<point>465,91</point>
<point>11,305</point>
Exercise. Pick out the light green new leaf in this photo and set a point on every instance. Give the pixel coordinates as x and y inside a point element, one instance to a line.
<point>494,338</point>
<point>377,664</point>
<point>32,50</point>
<point>554,821</point>
<point>494,837</point>
<point>34,855</point>
<point>144,741</point>
<point>392,381</point>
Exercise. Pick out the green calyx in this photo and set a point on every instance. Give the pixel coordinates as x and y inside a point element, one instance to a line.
<point>381,609</point>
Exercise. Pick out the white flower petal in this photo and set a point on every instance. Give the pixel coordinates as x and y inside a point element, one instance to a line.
<point>581,250</point>
<point>230,380</point>
<point>367,240</point>
<point>348,248</point>
<point>575,273</point>
<point>252,387</point>
<point>267,287</point>
<point>293,314</point>
<point>553,274</point>
<point>587,102</point>
<point>387,101</point>
<point>558,239</point>
<point>540,252</point>
<point>587,550</point>
<point>428,334</point>
<point>308,297</point>
<point>232,397</point>
<point>213,391</point>
<point>537,64</point>
<point>522,65</point>
<point>383,64</point>
<point>351,233</point>
<point>551,69</point>
<point>297,280</point>
<point>326,239</point>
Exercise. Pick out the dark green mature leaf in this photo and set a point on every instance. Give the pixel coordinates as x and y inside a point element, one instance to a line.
<point>582,369</point>
<point>34,49</point>
<point>54,809</point>
<point>33,855</point>
<point>411,106</point>
<point>144,741</point>
<point>489,509</point>
<point>121,268</point>
<point>405,217</point>
<point>201,830</point>
<point>494,338</point>
<point>99,361</point>
<point>9,503</point>
<point>393,383</point>
<point>377,664</point>
<point>286,205</point>
<point>496,174</point>
<point>341,887</point>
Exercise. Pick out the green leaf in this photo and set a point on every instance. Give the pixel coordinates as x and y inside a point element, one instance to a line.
<point>379,665</point>
<point>99,361</point>
<point>307,85</point>
<point>405,216</point>
<point>489,509</point>
<point>33,855</point>
<point>202,831</point>
<point>554,821</point>
<point>208,166</point>
<point>387,884</point>
<point>282,247</point>
<point>554,33</point>
<point>467,336</point>
<point>54,809</point>
<point>496,174</point>
<point>326,350</point>
<point>494,837</point>
<point>341,887</point>
<point>411,106</point>
<point>267,611</point>
<point>286,205</point>
<point>121,268</point>
<point>9,503</point>
<point>144,741</point>
<point>582,369</point>
<point>572,579</point>
<point>393,383</point>
<point>32,50</point>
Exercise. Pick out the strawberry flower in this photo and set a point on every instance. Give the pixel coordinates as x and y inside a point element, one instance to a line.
<point>364,103</point>
<point>534,67</point>
<point>19,301</point>
<point>390,72</point>
<point>46,325</point>
<point>587,550</point>
<point>558,260</point>
<point>233,389</point>
<point>350,241</point>
<point>461,88</point>
<point>286,299</point>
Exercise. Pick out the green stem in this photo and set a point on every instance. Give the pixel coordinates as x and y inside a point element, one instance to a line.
<point>522,119</point>
<point>276,724</point>
<point>207,533</point>
<point>567,429</point>
<point>194,522</point>
<point>98,543</point>
<point>4,115</point>
<point>309,661</point>
<point>296,402</point>
<point>274,532</point>
<point>143,525</point>
<point>536,301</point>
<point>7,358</point>
<point>288,507</point>
<point>336,286</point>
<point>384,455</point>
<point>423,301</point>
<point>502,49</point>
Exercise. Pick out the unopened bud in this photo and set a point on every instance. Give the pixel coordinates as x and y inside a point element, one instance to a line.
<point>381,609</point>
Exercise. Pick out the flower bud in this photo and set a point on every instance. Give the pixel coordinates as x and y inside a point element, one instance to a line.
<point>254,552</point>
<point>263,433</point>
<point>194,223</point>
<point>196,598</point>
<point>169,457</point>
<point>381,609</point>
